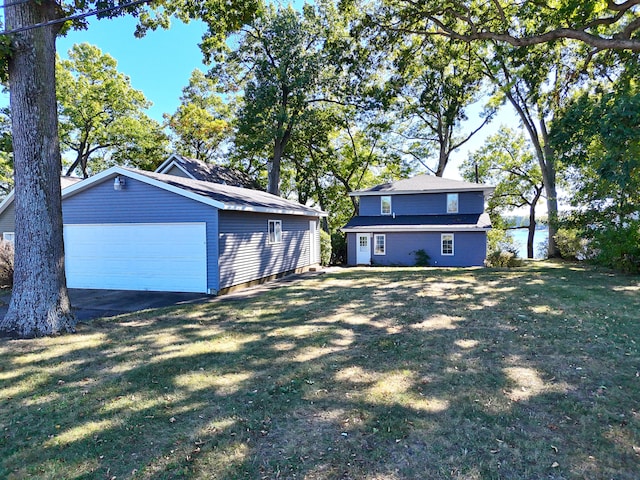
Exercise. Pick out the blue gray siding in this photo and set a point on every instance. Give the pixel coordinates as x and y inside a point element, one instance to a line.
<point>469,249</point>
<point>245,254</point>
<point>142,203</point>
<point>8,219</point>
<point>422,204</point>
<point>177,172</point>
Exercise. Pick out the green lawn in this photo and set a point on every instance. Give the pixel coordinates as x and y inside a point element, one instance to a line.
<point>363,373</point>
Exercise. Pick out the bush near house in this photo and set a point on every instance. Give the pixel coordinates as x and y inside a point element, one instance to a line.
<point>325,248</point>
<point>6,264</point>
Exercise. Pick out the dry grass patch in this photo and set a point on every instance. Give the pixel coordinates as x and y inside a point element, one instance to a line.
<point>395,373</point>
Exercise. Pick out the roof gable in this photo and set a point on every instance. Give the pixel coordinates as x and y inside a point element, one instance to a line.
<point>424,184</point>
<point>223,197</point>
<point>207,172</point>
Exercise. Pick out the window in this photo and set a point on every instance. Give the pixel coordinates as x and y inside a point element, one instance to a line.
<point>385,205</point>
<point>446,240</point>
<point>9,237</point>
<point>275,231</point>
<point>452,203</point>
<point>379,245</point>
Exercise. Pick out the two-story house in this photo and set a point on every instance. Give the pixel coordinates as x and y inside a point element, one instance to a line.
<point>442,217</point>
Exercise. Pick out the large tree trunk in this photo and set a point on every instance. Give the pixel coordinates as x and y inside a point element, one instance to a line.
<point>273,186</point>
<point>39,301</point>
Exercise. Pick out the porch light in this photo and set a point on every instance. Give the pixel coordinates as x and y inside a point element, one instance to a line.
<point>119,183</point>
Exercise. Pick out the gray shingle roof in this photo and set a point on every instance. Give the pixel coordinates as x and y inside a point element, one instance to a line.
<point>234,198</point>
<point>475,221</point>
<point>424,184</point>
<point>209,172</point>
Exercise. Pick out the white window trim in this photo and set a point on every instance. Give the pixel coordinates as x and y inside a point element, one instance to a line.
<point>11,235</point>
<point>457,203</point>
<point>274,226</point>
<point>382,212</point>
<point>375,244</point>
<point>453,244</point>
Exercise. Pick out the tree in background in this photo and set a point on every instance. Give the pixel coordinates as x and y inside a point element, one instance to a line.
<point>278,63</point>
<point>599,24</point>
<point>598,136</point>
<point>508,162</point>
<point>201,122</point>
<point>433,85</point>
<point>39,301</point>
<point>102,119</point>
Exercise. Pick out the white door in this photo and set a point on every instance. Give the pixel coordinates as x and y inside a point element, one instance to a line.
<point>363,255</point>
<point>165,257</point>
<point>313,242</point>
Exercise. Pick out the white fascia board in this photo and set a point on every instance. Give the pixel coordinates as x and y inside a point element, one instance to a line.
<point>275,211</point>
<point>8,200</point>
<point>415,228</point>
<point>414,192</point>
<point>115,171</point>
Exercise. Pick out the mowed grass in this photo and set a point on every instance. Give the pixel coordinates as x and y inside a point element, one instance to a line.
<point>363,373</point>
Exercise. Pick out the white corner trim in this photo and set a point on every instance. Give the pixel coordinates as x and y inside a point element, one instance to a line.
<point>8,200</point>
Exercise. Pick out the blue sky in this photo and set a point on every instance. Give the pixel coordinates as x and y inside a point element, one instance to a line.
<point>159,64</point>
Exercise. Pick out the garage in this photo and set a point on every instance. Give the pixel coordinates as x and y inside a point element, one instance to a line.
<point>168,257</point>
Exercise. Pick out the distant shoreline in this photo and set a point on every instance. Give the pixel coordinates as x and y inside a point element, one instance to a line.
<point>520,238</point>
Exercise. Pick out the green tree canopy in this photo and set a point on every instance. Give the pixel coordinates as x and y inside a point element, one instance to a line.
<point>202,120</point>
<point>508,161</point>
<point>102,119</point>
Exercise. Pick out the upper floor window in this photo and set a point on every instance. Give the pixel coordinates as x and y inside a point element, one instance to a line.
<point>275,231</point>
<point>452,203</point>
<point>385,205</point>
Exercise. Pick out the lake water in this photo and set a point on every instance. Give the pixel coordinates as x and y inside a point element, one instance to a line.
<point>520,238</point>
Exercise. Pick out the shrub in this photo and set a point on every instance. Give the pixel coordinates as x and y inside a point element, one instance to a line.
<point>503,258</point>
<point>499,239</point>
<point>619,247</point>
<point>571,244</point>
<point>422,258</point>
<point>338,248</point>
<point>6,264</point>
<point>325,248</point>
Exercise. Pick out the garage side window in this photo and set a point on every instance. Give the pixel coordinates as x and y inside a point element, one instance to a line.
<point>447,243</point>
<point>275,231</point>
<point>9,237</point>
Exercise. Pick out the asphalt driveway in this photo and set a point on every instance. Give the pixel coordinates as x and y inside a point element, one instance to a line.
<point>90,304</point>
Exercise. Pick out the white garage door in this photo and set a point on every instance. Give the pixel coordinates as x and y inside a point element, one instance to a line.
<point>166,257</point>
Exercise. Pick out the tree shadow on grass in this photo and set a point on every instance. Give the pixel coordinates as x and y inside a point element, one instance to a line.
<point>362,373</point>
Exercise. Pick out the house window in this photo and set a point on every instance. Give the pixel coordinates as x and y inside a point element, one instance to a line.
<point>446,240</point>
<point>452,203</point>
<point>385,205</point>
<point>379,245</point>
<point>9,237</point>
<point>275,231</point>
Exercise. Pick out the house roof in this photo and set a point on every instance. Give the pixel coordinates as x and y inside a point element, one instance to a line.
<point>208,172</point>
<point>224,197</point>
<point>424,184</point>
<point>419,223</point>
<point>64,183</point>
